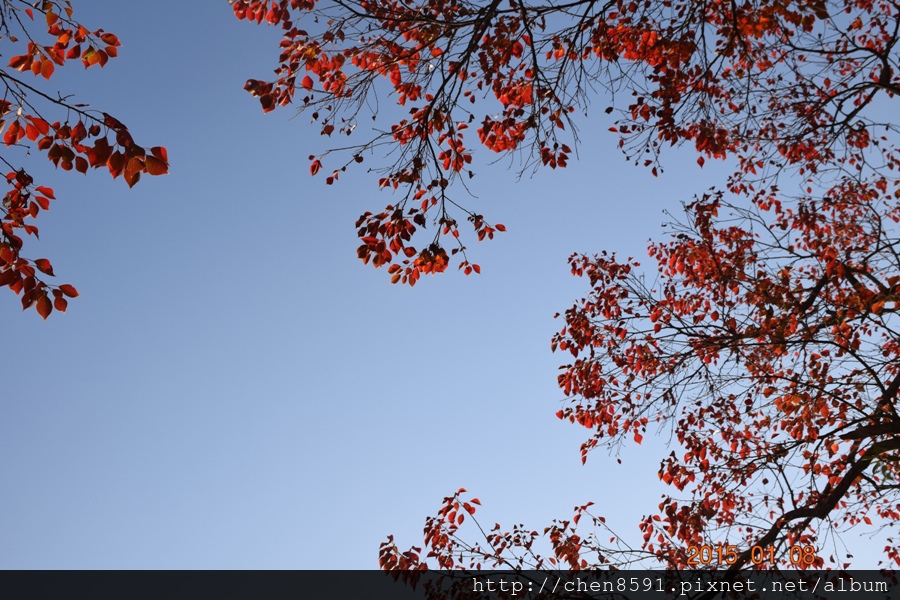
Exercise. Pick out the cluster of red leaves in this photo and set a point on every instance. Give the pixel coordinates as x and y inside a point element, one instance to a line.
<point>768,345</point>
<point>716,75</point>
<point>70,37</point>
<point>514,548</point>
<point>83,140</point>
<point>768,349</point>
<point>772,319</point>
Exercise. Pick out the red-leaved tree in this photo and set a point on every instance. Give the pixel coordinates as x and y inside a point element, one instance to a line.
<point>39,37</point>
<point>765,340</point>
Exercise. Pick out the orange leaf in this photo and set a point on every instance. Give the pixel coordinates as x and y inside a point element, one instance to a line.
<point>46,69</point>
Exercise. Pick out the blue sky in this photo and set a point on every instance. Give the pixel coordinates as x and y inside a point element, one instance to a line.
<point>235,389</point>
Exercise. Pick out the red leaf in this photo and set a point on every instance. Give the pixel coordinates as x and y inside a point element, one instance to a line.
<point>43,265</point>
<point>20,63</point>
<point>8,276</point>
<point>60,304</point>
<point>68,290</point>
<point>155,166</point>
<point>133,169</point>
<point>41,125</point>
<point>135,177</point>
<point>44,306</point>
<point>307,82</point>
<point>116,163</point>
<point>160,153</point>
<point>11,135</point>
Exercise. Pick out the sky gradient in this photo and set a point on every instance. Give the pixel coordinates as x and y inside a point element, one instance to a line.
<point>235,389</point>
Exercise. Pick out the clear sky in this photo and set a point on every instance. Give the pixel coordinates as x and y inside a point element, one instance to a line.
<point>235,389</point>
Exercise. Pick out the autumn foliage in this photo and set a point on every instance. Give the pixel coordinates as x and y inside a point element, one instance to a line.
<point>39,38</point>
<point>762,336</point>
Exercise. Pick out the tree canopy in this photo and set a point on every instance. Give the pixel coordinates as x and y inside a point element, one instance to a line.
<point>765,340</point>
<point>771,84</point>
<point>40,37</point>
